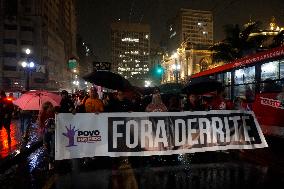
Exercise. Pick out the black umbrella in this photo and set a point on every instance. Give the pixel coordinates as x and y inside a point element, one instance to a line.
<point>108,80</point>
<point>202,85</point>
<point>171,88</point>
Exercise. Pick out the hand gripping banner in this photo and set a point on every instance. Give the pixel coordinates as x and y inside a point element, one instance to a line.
<point>155,133</point>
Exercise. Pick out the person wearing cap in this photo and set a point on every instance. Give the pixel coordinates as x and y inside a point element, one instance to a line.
<point>93,104</point>
<point>66,104</point>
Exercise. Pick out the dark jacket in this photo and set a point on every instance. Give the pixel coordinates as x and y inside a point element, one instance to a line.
<point>193,107</point>
<point>121,106</point>
<point>66,105</point>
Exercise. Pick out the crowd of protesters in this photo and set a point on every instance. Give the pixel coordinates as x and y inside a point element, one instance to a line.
<point>89,102</point>
<point>83,102</point>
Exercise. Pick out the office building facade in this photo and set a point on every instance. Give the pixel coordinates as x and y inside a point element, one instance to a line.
<point>131,51</point>
<point>194,27</point>
<point>48,30</point>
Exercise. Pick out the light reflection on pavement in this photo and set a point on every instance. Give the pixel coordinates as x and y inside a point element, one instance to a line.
<point>7,147</point>
<point>16,143</point>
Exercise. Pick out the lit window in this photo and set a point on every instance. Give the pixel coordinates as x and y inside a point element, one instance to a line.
<point>173,34</point>
<point>239,76</point>
<point>270,70</point>
<point>127,39</point>
<point>146,36</point>
<point>281,69</point>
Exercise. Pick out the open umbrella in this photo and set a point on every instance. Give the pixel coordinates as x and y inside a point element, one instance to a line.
<point>33,100</point>
<point>202,85</point>
<point>171,88</point>
<point>108,80</point>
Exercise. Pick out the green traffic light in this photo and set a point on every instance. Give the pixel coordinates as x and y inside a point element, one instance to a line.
<point>159,70</point>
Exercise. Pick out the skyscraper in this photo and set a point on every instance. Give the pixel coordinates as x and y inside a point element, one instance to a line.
<point>48,30</point>
<point>194,27</point>
<point>190,36</point>
<point>130,51</point>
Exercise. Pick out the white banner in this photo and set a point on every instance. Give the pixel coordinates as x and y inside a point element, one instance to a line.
<point>155,133</point>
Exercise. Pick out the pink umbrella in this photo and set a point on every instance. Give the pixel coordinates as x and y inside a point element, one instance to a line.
<point>33,100</point>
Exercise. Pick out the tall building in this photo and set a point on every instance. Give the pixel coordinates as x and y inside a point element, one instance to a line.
<point>190,36</point>
<point>86,58</point>
<point>48,30</point>
<point>194,27</point>
<point>131,51</point>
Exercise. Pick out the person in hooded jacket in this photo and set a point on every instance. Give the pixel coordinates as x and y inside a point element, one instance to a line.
<point>66,104</point>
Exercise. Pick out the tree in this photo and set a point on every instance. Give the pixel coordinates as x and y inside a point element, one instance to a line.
<point>238,42</point>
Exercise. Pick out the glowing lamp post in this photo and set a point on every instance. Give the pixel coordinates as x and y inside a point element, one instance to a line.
<point>176,67</point>
<point>28,66</point>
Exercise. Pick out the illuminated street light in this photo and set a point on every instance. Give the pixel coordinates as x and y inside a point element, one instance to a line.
<point>28,51</point>
<point>28,66</point>
<point>175,55</point>
<point>31,64</point>
<point>176,67</point>
<point>24,64</point>
<point>147,83</point>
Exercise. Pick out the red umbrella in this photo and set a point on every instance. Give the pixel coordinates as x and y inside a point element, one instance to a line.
<point>33,100</point>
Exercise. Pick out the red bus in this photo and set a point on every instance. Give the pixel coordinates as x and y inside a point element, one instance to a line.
<point>260,79</point>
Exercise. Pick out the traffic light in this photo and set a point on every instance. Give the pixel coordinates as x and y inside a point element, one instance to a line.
<point>159,70</point>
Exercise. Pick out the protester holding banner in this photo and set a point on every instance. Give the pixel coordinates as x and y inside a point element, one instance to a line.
<point>121,104</point>
<point>156,105</point>
<point>66,104</point>
<point>174,104</point>
<point>93,103</point>
<point>220,103</point>
<point>193,103</point>
<point>80,102</point>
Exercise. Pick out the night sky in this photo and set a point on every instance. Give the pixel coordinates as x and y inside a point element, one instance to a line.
<point>95,16</point>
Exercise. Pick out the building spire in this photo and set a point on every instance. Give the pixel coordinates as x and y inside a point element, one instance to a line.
<point>272,24</point>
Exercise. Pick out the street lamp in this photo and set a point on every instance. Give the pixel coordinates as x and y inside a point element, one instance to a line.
<point>176,67</point>
<point>28,66</point>
<point>147,83</point>
<point>28,51</point>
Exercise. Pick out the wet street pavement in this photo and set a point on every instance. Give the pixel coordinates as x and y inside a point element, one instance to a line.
<point>258,168</point>
<point>17,143</point>
<point>5,146</point>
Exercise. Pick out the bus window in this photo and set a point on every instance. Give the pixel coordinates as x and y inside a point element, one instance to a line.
<point>281,69</point>
<point>212,77</point>
<point>270,71</point>
<point>220,77</point>
<point>228,92</point>
<point>239,76</point>
<point>270,86</point>
<point>249,75</point>
<point>246,91</point>
<point>227,78</point>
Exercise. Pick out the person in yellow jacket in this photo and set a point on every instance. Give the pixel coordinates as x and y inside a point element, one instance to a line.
<point>93,104</point>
